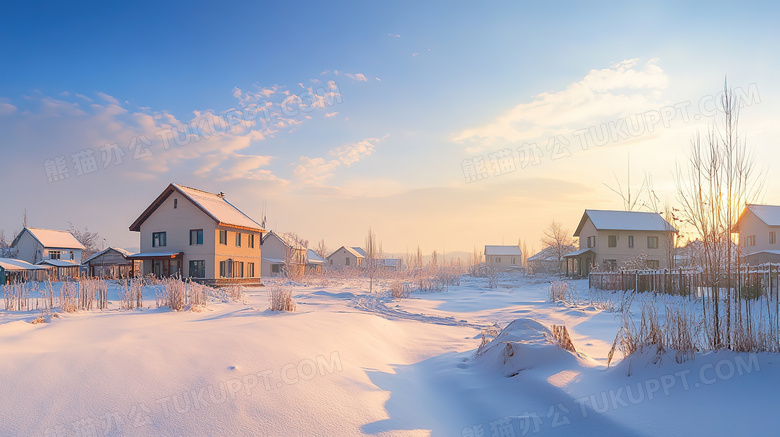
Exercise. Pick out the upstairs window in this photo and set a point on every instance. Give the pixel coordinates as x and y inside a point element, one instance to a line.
<point>251,241</point>
<point>772,237</point>
<point>196,237</point>
<point>159,239</point>
<point>612,241</point>
<point>751,240</point>
<point>652,242</point>
<point>223,237</point>
<point>630,241</point>
<point>238,239</point>
<point>175,203</point>
<point>55,254</point>
<point>590,242</point>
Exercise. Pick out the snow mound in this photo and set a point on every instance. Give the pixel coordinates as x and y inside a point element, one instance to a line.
<point>522,345</point>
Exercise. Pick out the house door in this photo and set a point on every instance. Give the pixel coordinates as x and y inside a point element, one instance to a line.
<point>157,268</point>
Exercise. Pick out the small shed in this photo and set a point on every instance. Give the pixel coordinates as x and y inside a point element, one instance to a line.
<point>113,263</point>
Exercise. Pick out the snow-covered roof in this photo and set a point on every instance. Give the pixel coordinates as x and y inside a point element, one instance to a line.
<point>58,263</point>
<point>50,238</point>
<point>359,250</point>
<point>214,205</point>
<point>17,264</point>
<point>313,258</point>
<point>274,260</point>
<point>149,255</point>
<point>286,239</point>
<point>577,253</point>
<point>351,250</point>
<point>768,251</point>
<point>769,214</point>
<point>503,250</point>
<point>624,221</point>
<point>121,251</point>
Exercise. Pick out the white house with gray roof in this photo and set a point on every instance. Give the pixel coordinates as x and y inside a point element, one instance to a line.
<point>609,239</point>
<point>504,258</point>
<point>35,245</point>
<point>346,258</point>
<point>758,227</point>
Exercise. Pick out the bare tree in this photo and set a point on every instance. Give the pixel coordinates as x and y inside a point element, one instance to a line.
<point>90,240</point>
<point>559,240</point>
<point>720,181</point>
<point>322,249</point>
<point>373,249</point>
<point>294,253</point>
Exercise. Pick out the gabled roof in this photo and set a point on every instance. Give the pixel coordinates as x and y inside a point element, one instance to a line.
<point>350,250</point>
<point>213,205</point>
<point>285,239</point>
<point>624,221</point>
<point>121,251</point>
<point>359,250</point>
<point>769,214</point>
<point>503,250</point>
<point>51,238</point>
<point>549,253</point>
<point>578,253</point>
<point>313,258</point>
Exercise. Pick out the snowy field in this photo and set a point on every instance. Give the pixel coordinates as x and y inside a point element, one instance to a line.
<point>347,362</point>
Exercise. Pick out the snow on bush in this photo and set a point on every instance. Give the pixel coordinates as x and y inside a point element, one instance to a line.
<point>280,299</point>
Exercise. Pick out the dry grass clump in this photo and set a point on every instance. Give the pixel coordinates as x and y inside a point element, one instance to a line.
<point>561,337</point>
<point>562,291</point>
<point>131,296</point>
<point>69,300</point>
<point>400,290</point>
<point>16,296</point>
<point>280,299</point>
<point>176,294</point>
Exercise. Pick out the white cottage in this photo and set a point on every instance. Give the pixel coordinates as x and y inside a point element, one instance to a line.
<point>504,258</point>
<point>35,245</point>
<point>280,249</point>
<point>346,258</point>
<point>758,227</point>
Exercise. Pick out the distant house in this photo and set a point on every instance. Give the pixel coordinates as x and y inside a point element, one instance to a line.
<point>278,249</point>
<point>35,245</point>
<point>611,239</point>
<point>314,262</point>
<point>346,257</point>
<point>200,235</point>
<point>758,227</point>
<point>546,260</point>
<point>504,258</point>
<point>113,262</point>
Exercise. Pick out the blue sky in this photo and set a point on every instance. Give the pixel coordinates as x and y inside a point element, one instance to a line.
<point>406,92</point>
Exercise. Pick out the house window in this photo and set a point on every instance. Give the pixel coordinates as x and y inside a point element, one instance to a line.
<point>331,261</point>
<point>513,260</point>
<point>347,261</point>
<point>652,242</point>
<point>198,269</point>
<point>250,270</point>
<point>196,237</point>
<point>175,203</point>
<point>238,269</point>
<point>612,241</point>
<point>275,268</point>
<point>610,265</point>
<point>159,239</point>
<point>653,263</point>
<point>223,237</point>
<point>751,240</point>
<point>238,239</point>
<point>72,256</point>
<point>223,269</point>
<point>55,254</point>
<point>497,260</point>
<point>590,242</point>
<point>251,240</point>
<point>772,237</point>
<point>630,241</point>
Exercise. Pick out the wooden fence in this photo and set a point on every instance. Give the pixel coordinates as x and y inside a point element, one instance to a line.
<point>749,282</point>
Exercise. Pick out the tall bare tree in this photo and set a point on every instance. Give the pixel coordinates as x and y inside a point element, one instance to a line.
<point>322,249</point>
<point>91,240</point>
<point>721,179</point>
<point>559,240</point>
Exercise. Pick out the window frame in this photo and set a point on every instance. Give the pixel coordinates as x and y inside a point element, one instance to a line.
<point>652,242</point>
<point>223,237</point>
<point>160,239</point>
<point>198,237</point>
<point>200,268</point>
<point>611,240</point>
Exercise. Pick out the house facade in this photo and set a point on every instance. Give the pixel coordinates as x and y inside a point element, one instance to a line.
<point>346,258</point>
<point>758,227</point>
<point>546,260</point>
<point>504,258</point>
<point>35,245</point>
<point>314,263</point>
<point>611,240</point>
<point>113,262</point>
<point>199,235</point>
<point>280,249</point>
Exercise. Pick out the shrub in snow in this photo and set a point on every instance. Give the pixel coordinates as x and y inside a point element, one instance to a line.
<point>16,296</point>
<point>562,291</point>
<point>400,290</point>
<point>69,297</point>
<point>131,296</point>
<point>280,299</point>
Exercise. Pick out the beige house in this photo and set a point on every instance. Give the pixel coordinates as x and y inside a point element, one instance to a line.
<point>280,249</point>
<point>610,240</point>
<point>504,258</point>
<point>758,227</point>
<point>346,258</point>
<point>200,235</point>
<point>35,245</point>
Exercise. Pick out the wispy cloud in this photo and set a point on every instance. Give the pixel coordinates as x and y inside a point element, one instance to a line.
<point>360,77</point>
<point>7,108</point>
<point>316,170</point>
<point>331,114</point>
<point>622,89</point>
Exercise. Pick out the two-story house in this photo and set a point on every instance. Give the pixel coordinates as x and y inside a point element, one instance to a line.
<point>200,235</point>
<point>282,251</point>
<point>613,239</point>
<point>758,227</point>
<point>35,245</point>
<point>504,258</point>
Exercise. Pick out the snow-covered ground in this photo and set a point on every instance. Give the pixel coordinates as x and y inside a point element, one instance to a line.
<point>352,363</point>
